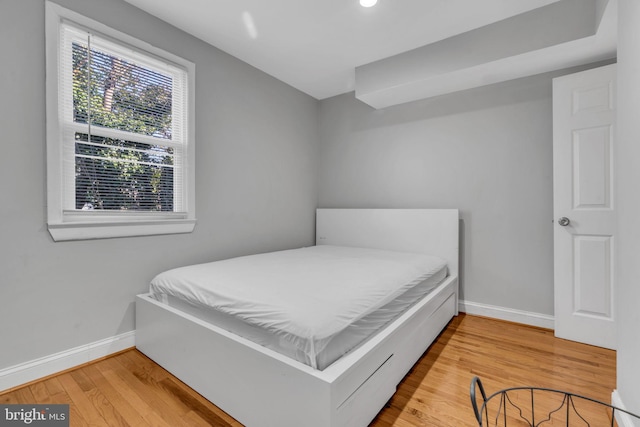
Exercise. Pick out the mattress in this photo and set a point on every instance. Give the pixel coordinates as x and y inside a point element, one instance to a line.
<point>312,304</point>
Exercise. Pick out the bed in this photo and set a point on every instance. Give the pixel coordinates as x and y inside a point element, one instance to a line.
<point>264,385</point>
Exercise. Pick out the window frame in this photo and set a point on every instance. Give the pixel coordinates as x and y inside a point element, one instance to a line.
<point>80,225</point>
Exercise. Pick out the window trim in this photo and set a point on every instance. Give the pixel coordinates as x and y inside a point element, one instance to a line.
<point>73,225</point>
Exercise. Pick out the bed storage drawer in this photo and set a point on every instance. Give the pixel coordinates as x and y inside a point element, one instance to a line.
<point>365,402</point>
<point>421,333</point>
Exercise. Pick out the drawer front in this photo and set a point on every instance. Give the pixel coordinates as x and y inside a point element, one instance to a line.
<point>364,404</point>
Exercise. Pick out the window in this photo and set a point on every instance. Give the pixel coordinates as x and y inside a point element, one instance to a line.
<point>120,148</point>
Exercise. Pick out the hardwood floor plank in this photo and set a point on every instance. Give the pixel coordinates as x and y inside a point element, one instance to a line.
<point>24,395</point>
<point>193,419</point>
<point>190,397</point>
<point>57,394</point>
<point>40,392</point>
<point>146,411</point>
<point>151,386</point>
<point>8,399</point>
<point>106,410</point>
<point>197,407</point>
<point>80,377</point>
<point>121,405</point>
<point>167,409</point>
<point>130,389</point>
<point>53,386</point>
<point>80,401</point>
<point>154,370</point>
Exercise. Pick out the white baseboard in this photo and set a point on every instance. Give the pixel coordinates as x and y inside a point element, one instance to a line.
<point>623,419</point>
<point>509,314</point>
<point>23,373</point>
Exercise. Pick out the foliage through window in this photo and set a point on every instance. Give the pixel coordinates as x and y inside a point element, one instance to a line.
<point>111,92</point>
<point>114,174</point>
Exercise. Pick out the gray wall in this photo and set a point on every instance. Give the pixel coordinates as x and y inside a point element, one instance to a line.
<point>256,185</point>
<point>628,177</point>
<point>486,151</point>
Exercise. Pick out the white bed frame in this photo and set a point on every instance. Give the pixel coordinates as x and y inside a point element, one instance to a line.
<point>260,387</point>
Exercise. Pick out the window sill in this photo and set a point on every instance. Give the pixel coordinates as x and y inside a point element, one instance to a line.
<point>106,230</point>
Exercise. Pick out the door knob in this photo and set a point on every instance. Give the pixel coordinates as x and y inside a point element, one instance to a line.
<point>564,221</point>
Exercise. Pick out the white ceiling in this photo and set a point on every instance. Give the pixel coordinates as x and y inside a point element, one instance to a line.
<point>315,46</point>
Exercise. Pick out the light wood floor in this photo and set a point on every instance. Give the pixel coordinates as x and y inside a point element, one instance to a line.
<point>129,389</point>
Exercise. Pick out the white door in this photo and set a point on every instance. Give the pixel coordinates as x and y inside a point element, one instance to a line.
<point>584,133</point>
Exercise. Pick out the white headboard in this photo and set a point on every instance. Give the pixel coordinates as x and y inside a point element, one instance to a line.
<point>430,231</point>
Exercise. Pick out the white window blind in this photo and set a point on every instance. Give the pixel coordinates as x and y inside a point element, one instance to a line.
<point>123,117</point>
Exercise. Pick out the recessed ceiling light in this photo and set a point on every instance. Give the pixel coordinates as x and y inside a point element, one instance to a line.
<point>368,3</point>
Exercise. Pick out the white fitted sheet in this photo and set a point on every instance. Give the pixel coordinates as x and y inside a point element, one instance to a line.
<point>312,304</point>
